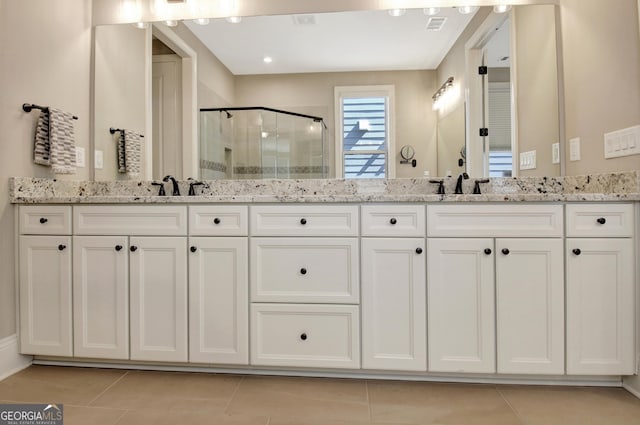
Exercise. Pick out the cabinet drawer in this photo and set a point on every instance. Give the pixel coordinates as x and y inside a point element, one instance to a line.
<point>520,220</point>
<point>304,220</point>
<point>600,220</point>
<point>305,335</point>
<point>393,220</point>
<point>313,270</point>
<point>45,220</point>
<point>130,220</point>
<point>220,220</point>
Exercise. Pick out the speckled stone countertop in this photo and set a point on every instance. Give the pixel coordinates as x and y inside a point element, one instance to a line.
<point>624,186</point>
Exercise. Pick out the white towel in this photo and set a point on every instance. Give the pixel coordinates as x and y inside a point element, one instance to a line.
<point>55,141</point>
<point>129,153</point>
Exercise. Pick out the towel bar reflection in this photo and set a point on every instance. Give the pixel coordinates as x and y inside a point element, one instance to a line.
<point>28,107</point>
<point>113,130</point>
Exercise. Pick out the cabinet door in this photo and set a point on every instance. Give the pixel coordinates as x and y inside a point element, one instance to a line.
<point>218,301</point>
<point>101,296</point>
<point>461,305</point>
<point>158,279</point>
<point>394,304</point>
<point>600,307</point>
<point>530,306</point>
<point>45,295</point>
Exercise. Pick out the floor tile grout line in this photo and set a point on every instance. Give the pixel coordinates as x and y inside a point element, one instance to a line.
<point>235,391</point>
<point>513,409</point>
<point>108,388</point>
<point>121,416</point>
<point>366,387</point>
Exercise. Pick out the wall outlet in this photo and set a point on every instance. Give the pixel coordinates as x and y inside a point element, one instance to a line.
<point>99,160</point>
<point>574,149</point>
<point>528,160</point>
<point>622,142</point>
<point>80,157</point>
<point>555,153</point>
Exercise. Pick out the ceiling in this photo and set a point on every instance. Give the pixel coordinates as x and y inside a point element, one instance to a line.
<point>331,42</point>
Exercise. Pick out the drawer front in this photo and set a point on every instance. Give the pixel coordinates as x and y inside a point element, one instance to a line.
<point>393,220</point>
<point>522,220</point>
<point>305,335</point>
<point>45,220</point>
<point>304,220</point>
<point>222,220</point>
<point>307,270</point>
<point>162,220</point>
<point>600,220</point>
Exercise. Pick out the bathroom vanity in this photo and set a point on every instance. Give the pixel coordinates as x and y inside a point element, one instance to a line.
<point>334,277</point>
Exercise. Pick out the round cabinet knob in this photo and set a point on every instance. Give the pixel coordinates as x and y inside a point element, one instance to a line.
<point>216,220</point>
<point>303,221</point>
<point>193,249</point>
<point>118,248</point>
<point>62,247</point>
<point>418,250</point>
<point>43,220</point>
<point>488,251</point>
<point>577,251</point>
<point>393,221</point>
<point>303,271</point>
<point>601,220</point>
<point>505,251</point>
<point>303,337</point>
<point>133,248</point>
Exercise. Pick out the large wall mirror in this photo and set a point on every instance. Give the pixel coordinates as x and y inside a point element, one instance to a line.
<point>517,99</point>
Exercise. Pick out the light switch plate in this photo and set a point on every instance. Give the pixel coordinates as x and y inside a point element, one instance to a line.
<point>80,157</point>
<point>528,160</point>
<point>555,153</point>
<point>622,142</point>
<point>574,149</point>
<point>99,160</point>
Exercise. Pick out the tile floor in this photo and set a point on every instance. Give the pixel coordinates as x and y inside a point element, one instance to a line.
<point>109,397</point>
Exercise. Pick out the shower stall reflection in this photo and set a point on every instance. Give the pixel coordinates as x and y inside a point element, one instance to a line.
<point>261,143</point>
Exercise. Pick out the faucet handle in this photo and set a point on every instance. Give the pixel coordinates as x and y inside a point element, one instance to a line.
<point>476,186</point>
<point>161,192</point>
<point>440,187</point>
<point>192,191</point>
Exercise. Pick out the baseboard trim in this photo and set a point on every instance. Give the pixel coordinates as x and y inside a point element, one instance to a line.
<point>631,389</point>
<point>11,361</point>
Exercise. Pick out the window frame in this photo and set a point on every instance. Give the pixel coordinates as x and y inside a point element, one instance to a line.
<point>387,91</point>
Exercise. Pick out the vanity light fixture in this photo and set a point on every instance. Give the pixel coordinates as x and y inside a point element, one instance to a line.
<point>466,10</point>
<point>141,25</point>
<point>501,8</point>
<point>397,12</point>
<point>440,95</point>
<point>431,11</point>
<point>234,19</point>
<point>201,21</point>
<point>171,23</point>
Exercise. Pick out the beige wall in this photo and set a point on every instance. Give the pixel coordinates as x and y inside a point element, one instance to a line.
<point>602,78</point>
<point>314,93</point>
<point>45,49</point>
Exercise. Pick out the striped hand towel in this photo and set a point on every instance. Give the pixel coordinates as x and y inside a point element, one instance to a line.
<point>55,141</point>
<point>129,153</point>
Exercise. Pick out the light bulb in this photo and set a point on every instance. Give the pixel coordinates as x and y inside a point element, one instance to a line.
<point>141,25</point>
<point>466,10</point>
<point>171,23</point>
<point>267,59</point>
<point>234,19</point>
<point>431,11</point>
<point>397,12</point>
<point>201,21</point>
<point>501,8</point>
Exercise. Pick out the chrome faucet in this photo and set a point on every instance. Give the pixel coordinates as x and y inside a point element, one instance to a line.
<point>176,189</point>
<point>458,190</point>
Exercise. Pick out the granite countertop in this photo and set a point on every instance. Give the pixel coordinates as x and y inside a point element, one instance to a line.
<point>610,187</point>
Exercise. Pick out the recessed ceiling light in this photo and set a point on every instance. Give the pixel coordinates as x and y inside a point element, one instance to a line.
<point>466,10</point>
<point>201,21</point>
<point>234,19</point>
<point>430,11</point>
<point>501,8</point>
<point>267,59</point>
<point>171,23</point>
<point>397,12</point>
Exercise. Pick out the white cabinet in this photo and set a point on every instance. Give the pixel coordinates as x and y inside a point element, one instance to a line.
<point>158,280</point>
<point>394,304</point>
<point>218,300</point>
<point>530,306</point>
<point>600,306</point>
<point>45,295</point>
<point>461,305</point>
<point>101,296</point>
